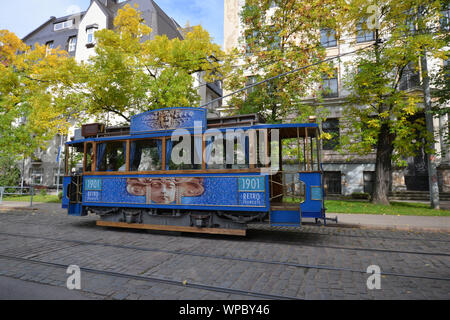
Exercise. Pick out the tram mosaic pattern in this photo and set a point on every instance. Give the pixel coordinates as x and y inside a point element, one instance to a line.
<point>198,191</point>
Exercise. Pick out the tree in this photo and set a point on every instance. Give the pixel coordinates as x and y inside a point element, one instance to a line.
<point>9,171</point>
<point>381,109</point>
<point>129,74</point>
<point>280,36</point>
<point>30,113</point>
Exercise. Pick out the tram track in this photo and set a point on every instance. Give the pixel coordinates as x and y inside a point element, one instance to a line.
<point>183,284</point>
<point>247,260</point>
<point>304,243</point>
<point>298,238</point>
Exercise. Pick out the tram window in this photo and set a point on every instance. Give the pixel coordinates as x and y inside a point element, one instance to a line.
<point>237,154</point>
<point>75,163</point>
<point>145,155</point>
<point>215,155</point>
<point>111,156</point>
<point>89,157</point>
<point>184,154</point>
<point>261,153</point>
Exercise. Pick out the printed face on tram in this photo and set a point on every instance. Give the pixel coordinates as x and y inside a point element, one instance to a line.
<point>163,192</point>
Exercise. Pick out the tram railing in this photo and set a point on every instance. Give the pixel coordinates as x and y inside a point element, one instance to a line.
<point>286,184</point>
<point>7,191</point>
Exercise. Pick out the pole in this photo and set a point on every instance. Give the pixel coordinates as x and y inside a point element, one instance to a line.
<point>59,165</point>
<point>432,172</point>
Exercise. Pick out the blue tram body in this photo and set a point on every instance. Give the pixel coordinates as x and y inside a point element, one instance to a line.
<point>134,178</point>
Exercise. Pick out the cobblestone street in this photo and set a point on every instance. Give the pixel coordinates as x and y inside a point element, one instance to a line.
<point>308,263</point>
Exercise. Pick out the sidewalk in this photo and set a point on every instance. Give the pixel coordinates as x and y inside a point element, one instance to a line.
<point>403,223</point>
<point>345,220</point>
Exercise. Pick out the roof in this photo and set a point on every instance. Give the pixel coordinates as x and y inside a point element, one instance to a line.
<point>154,16</point>
<point>286,131</point>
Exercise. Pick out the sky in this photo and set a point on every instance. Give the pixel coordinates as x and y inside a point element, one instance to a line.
<point>23,16</point>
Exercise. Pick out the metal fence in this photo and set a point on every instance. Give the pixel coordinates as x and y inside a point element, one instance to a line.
<point>14,191</point>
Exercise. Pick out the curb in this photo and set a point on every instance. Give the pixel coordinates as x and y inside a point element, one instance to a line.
<point>390,228</point>
<point>18,209</point>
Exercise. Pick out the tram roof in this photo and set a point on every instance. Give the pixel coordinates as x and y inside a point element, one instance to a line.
<point>289,130</point>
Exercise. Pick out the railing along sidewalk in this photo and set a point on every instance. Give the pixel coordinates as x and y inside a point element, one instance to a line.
<point>5,191</point>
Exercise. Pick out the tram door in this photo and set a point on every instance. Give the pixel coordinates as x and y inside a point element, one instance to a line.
<point>73,181</point>
<point>74,193</point>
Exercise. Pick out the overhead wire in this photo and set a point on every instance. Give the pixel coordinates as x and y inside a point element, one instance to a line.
<point>284,74</point>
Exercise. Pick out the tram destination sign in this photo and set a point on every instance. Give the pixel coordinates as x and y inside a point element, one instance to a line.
<point>168,119</point>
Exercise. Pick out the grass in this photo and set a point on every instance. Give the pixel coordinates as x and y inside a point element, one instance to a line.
<point>396,208</point>
<point>36,198</point>
<point>333,206</point>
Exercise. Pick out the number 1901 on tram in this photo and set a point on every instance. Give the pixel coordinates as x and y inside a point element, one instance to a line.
<point>175,169</point>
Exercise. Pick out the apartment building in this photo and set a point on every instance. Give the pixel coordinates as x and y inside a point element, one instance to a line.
<point>75,33</point>
<point>347,174</point>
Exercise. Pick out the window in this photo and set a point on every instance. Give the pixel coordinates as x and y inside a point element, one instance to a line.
<point>49,47</point>
<point>328,38</point>
<point>228,151</point>
<point>251,80</point>
<point>369,181</point>
<point>184,154</point>
<point>332,182</point>
<point>76,154</point>
<point>36,175</point>
<point>410,78</point>
<point>58,180</point>
<point>446,69</point>
<point>330,86</point>
<point>146,155</point>
<point>72,44</point>
<point>251,39</point>
<point>363,35</point>
<point>331,126</point>
<point>90,35</point>
<point>445,19</point>
<point>89,157</point>
<point>111,156</point>
<point>274,40</point>
<point>63,25</point>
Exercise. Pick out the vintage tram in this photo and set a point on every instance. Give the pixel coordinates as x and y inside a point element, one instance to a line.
<point>176,169</point>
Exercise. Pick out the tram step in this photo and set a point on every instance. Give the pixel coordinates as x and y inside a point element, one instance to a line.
<point>285,218</point>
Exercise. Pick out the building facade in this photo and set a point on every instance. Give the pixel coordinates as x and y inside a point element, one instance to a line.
<point>76,34</point>
<point>348,174</point>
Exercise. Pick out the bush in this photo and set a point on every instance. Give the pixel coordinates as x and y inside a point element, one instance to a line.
<point>360,195</point>
<point>60,195</point>
<point>43,192</point>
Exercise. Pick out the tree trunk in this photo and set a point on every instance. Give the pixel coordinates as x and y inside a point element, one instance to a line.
<point>383,166</point>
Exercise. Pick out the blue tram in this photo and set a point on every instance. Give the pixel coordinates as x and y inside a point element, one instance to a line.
<point>176,169</point>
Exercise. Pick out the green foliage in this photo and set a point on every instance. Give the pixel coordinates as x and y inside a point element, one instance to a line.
<point>9,172</point>
<point>374,80</point>
<point>130,74</point>
<point>31,112</point>
<point>380,113</point>
<point>279,40</point>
